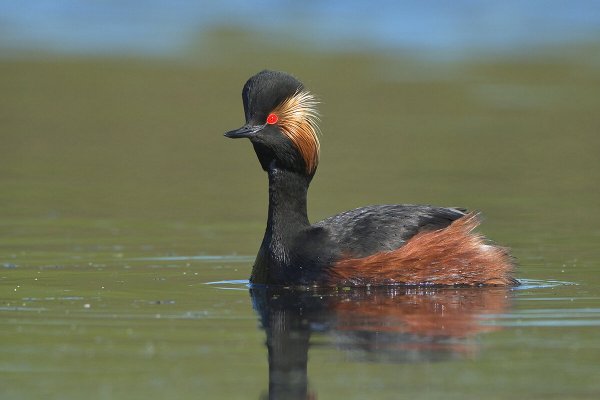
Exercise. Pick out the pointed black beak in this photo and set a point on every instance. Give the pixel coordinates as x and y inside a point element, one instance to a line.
<point>245,131</point>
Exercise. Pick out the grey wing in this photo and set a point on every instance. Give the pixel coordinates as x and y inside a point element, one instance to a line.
<point>372,229</point>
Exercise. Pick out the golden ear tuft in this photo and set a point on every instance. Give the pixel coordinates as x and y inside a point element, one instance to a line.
<point>298,119</point>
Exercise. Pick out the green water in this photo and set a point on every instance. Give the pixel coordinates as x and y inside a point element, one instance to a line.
<point>121,202</point>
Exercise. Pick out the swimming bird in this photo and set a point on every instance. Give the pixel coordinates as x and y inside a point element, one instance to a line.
<point>398,244</point>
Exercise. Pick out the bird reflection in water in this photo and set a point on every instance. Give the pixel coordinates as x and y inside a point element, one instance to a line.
<point>385,324</point>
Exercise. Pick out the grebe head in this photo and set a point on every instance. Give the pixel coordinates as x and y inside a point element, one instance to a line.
<point>281,122</point>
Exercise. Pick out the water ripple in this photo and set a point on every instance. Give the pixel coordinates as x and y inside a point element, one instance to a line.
<point>208,258</point>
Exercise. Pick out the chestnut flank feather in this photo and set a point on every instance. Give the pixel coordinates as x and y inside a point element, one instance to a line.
<point>452,256</point>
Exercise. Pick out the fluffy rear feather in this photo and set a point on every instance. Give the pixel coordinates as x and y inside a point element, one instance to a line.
<point>451,256</point>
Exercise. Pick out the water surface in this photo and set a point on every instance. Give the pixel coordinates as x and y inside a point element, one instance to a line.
<point>128,226</point>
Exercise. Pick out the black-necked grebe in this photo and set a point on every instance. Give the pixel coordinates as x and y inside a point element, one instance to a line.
<point>373,245</point>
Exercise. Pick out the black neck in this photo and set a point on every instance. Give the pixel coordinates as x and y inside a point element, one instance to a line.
<point>287,216</point>
<point>287,201</point>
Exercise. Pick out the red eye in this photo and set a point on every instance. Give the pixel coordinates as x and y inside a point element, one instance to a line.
<point>272,119</point>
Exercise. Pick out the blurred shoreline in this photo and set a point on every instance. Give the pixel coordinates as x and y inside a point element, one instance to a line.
<point>163,29</point>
